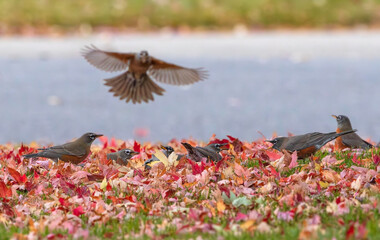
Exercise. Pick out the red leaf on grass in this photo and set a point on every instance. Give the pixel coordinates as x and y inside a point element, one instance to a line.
<point>63,202</point>
<point>78,211</point>
<point>376,160</point>
<point>350,231</point>
<point>195,167</point>
<point>272,155</point>
<point>17,176</point>
<point>4,191</point>
<point>356,160</point>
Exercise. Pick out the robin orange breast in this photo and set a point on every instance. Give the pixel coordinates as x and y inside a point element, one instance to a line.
<point>74,152</point>
<point>306,144</point>
<point>210,152</point>
<point>136,84</point>
<point>121,157</point>
<point>350,140</point>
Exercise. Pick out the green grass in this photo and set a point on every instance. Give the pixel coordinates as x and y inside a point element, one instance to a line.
<point>195,14</point>
<point>284,230</point>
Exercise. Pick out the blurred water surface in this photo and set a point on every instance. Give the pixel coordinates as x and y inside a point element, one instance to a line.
<point>270,82</point>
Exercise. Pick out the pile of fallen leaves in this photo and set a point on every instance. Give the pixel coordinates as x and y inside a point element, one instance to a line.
<point>254,191</point>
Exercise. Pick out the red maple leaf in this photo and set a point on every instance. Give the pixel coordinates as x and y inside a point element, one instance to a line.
<point>78,211</point>
<point>17,176</point>
<point>195,167</point>
<point>136,147</point>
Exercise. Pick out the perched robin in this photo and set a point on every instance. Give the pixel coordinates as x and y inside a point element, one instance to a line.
<point>350,140</point>
<point>167,150</point>
<point>121,157</point>
<point>74,152</point>
<point>136,84</point>
<point>306,144</point>
<point>210,152</point>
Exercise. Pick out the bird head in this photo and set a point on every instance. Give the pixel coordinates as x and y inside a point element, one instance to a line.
<point>217,147</point>
<point>144,57</point>
<point>167,150</point>
<point>89,137</point>
<point>277,142</point>
<point>343,121</point>
<point>127,153</point>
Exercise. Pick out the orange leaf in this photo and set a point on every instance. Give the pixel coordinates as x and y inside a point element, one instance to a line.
<point>4,191</point>
<point>17,176</point>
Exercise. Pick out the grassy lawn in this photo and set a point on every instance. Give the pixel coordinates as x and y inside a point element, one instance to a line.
<point>193,14</point>
<point>253,193</point>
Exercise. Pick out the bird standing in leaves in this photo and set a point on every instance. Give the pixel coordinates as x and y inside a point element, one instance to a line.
<point>210,152</point>
<point>136,84</point>
<point>350,140</point>
<point>121,157</point>
<point>306,144</point>
<point>73,152</point>
<point>167,150</point>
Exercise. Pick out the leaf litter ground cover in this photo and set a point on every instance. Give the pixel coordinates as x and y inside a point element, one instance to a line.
<point>254,192</point>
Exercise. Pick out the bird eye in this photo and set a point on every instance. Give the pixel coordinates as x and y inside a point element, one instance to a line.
<point>127,151</point>
<point>92,136</point>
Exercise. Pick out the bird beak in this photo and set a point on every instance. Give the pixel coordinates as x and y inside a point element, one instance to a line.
<point>334,116</point>
<point>98,135</point>
<point>134,153</point>
<point>271,141</point>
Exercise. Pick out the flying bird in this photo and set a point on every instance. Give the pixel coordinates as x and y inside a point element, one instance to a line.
<point>137,83</point>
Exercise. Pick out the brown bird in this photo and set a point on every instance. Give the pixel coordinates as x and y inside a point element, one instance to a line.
<point>210,152</point>
<point>306,144</point>
<point>136,84</point>
<point>74,152</point>
<point>350,140</point>
<point>121,157</point>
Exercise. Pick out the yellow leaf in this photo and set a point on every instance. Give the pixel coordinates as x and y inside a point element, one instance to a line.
<point>247,224</point>
<point>323,184</point>
<point>103,185</point>
<point>220,206</point>
<point>161,156</point>
<point>172,159</point>
<point>317,167</point>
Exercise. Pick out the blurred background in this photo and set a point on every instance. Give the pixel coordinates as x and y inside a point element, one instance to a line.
<point>276,66</point>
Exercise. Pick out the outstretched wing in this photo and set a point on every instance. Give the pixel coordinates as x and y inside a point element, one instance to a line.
<point>173,74</point>
<point>106,61</point>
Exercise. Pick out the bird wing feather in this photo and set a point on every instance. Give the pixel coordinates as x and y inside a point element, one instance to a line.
<point>126,86</point>
<point>353,140</point>
<point>107,61</point>
<point>169,73</point>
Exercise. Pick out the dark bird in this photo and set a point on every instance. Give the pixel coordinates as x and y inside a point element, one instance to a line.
<point>74,152</point>
<point>136,84</point>
<point>210,152</point>
<point>121,157</point>
<point>350,140</point>
<point>306,144</point>
<point>167,150</point>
